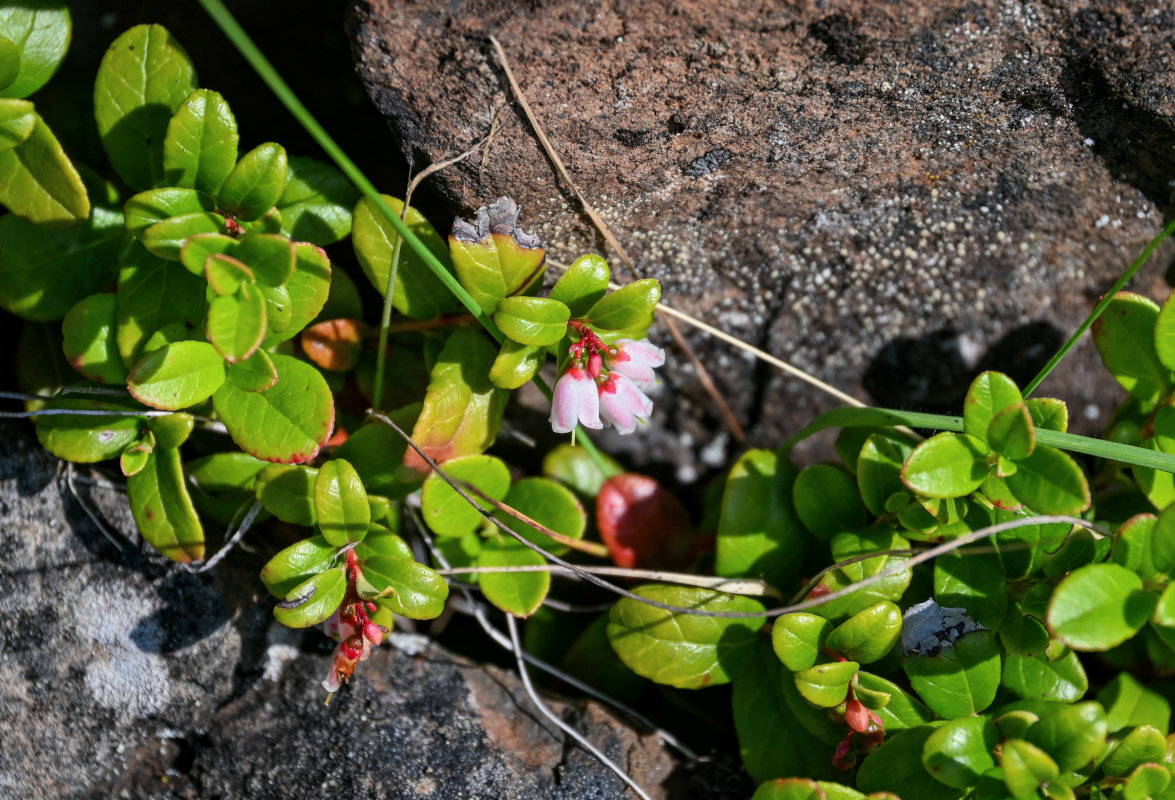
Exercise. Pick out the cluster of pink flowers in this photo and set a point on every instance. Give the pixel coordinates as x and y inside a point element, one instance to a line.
<point>603,384</point>
<point>352,628</point>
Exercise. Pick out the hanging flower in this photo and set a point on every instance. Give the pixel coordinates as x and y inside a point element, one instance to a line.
<point>575,400</point>
<point>622,403</point>
<point>636,361</point>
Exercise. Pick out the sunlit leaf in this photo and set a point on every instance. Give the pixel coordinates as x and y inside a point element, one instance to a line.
<point>162,508</point>
<point>1125,338</point>
<point>255,184</point>
<point>340,503</point>
<point>316,203</point>
<point>40,30</point>
<point>177,375</point>
<point>200,148</point>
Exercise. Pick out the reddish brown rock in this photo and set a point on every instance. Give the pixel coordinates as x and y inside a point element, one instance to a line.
<point>891,195</point>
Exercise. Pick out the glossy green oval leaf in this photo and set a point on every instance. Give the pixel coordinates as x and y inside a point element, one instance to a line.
<point>17,118</point>
<point>9,63</point>
<point>549,504</point>
<point>144,77</point>
<point>532,320</point>
<point>683,650</point>
<point>200,147</point>
<point>868,635</point>
<point>447,513</point>
<point>1049,413</point>
<point>879,471</point>
<point>1099,606</point>
<point>946,465</point>
<point>271,258</point>
<point>827,501</point>
<point>826,685</point>
<point>1071,735</point>
<point>156,205</point>
<point>296,564</point>
<point>961,680</point>
<point>316,203</point>
<point>1165,334</point>
<point>896,767</point>
<point>849,545</point>
<point>409,589</point>
<point>516,364</point>
<point>517,593</point>
<point>134,458</point>
<point>340,503</point>
<point>89,339</point>
<point>1125,339</point>
<point>196,250</point>
<point>901,711</point>
<point>1133,546</point>
<point>224,273</point>
<point>1011,433</point>
<point>1140,745</point>
<point>88,438</point>
<point>1035,677</point>
<point>1025,768</point>
<point>287,423</point>
<point>40,31</point>
<point>312,601</point>
<point>255,184</point>
<point>631,306</point>
<point>40,183</point>
<point>417,292</point>
<point>798,639</point>
<point>990,393</point>
<point>1127,702</point>
<point>376,452</point>
<point>231,471</point>
<point>177,375</point>
<point>583,284</point>
<point>1146,782</point>
<point>171,430</point>
<point>236,323</point>
<point>973,582</point>
<point>162,508</point>
<point>255,373</point>
<point>574,467</point>
<point>380,541</point>
<point>167,238</point>
<point>291,307</point>
<point>1050,482</point>
<point>958,752</point>
<point>287,492</point>
<point>759,532</point>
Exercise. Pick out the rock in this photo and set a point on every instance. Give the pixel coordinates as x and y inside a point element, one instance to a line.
<point>123,676</point>
<point>891,196</point>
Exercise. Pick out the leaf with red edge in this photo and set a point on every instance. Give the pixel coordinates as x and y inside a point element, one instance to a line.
<point>287,423</point>
<point>642,523</point>
<point>334,344</point>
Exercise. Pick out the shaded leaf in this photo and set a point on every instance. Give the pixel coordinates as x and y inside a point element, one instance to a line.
<point>334,344</point>
<point>896,766</point>
<point>89,340</point>
<point>549,504</point>
<point>827,501</point>
<point>643,523</point>
<point>517,593</point>
<point>759,532</point>
<point>958,752</point>
<point>1125,339</point>
<point>287,492</point>
<point>153,294</point>
<point>40,32</point>
<point>1035,677</point>
<point>316,202</point>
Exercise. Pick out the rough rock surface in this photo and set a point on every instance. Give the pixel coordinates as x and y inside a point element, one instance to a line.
<point>121,676</point>
<point>890,195</point>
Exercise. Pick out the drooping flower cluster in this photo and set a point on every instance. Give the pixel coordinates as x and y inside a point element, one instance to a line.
<point>351,626</point>
<point>605,384</point>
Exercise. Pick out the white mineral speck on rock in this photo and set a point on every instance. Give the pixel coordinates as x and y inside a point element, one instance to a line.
<point>126,673</point>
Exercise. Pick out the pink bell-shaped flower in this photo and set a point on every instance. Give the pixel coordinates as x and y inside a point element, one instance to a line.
<point>575,400</point>
<point>622,403</point>
<point>636,360</point>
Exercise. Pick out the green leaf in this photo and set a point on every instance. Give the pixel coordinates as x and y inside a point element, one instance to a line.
<point>1099,606</point>
<point>826,685</point>
<point>631,306</point>
<point>1157,484</point>
<point>162,509</point>
<point>135,458</point>
<point>547,503</point>
<point>1072,735</point>
<point>231,471</point>
<point>1050,482</point>
<point>462,409</point>
<point>827,502</point>
<point>88,438</point>
<point>990,393</point>
<point>974,582</point>
<point>255,184</point>
<point>1140,745</point>
<point>798,639</point>
<point>142,80</point>
<point>516,364</point>
<point>287,492</point>
<point>311,602</point>
<point>236,323</point>
<point>376,452</point>
<point>9,62</point>
<point>340,503</point>
<point>790,789</point>
<point>849,545</point>
<point>960,680</point>
<point>1128,703</point>
<point>683,650</point>
<point>380,541</point>
<point>224,273</point>
<point>1165,334</point>
<point>1035,677</point>
<point>316,203</point>
<point>1147,781</point>
<point>171,430</point>
<point>496,266</point>
<point>177,375</point>
<point>1011,434</point>
<point>759,533</point>
<point>297,564</point>
<point>409,589</point>
<point>868,635</point>
<point>40,30</point>
<point>1125,339</point>
<point>577,469</point>
<point>532,320</point>
<point>896,766</point>
<point>156,205</point>
<point>448,514</point>
<point>287,423</point>
<point>583,284</point>
<point>255,373</point>
<point>1025,768</point>
<point>958,752</point>
<point>40,183</point>
<point>879,471</point>
<point>291,307</point>
<point>517,593</point>
<point>166,239</point>
<point>946,465</point>
<point>17,117</point>
<point>89,344</point>
<point>902,711</point>
<point>1132,546</point>
<point>417,292</point>
<point>1049,413</point>
<point>200,147</point>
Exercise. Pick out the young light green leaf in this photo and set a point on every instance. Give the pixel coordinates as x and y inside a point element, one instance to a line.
<point>255,373</point>
<point>958,752</point>
<point>759,533</point>
<point>200,147</point>
<point>868,635</point>
<point>162,508</point>
<point>961,680</point>
<point>231,471</point>
<point>134,458</point>
<point>1072,735</point>
<point>255,184</point>
<point>683,650</point>
<point>172,430</point>
<point>297,564</point>
<point>40,31</point>
<point>990,393</point>
<point>1125,339</point>
<point>826,685</point>
<point>549,504</point>
<point>532,320</point>
<point>312,601</point>
<point>827,501</point>
<point>798,639</point>
<point>946,465</point>
<point>417,292</point>
<point>142,80</point>
<point>156,205</point>
<point>291,307</point>
<point>287,423</point>
<point>89,344</point>
<point>849,545</point>
<point>1011,433</point>
<point>39,182</point>
<point>1099,606</point>
<point>177,375</point>
<point>287,492</point>
<point>17,119</point>
<point>89,438</point>
<point>1140,745</point>
<point>340,503</point>
<point>1049,413</point>
<point>516,364</point>
<point>902,711</point>
<point>167,238</point>
<point>1050,482</point>
<point>1025,768</point>
<point>631,306</point>
<point>517,593</point>
<point>896,767</point>
<point>448,514</point>
<point>224,273</point>
<point>236,323</point>
<point>410,589</point>
<point>583,284</point>
<point>316,203</point>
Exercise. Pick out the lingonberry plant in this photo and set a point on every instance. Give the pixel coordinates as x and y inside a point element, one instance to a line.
<point>976,614</point>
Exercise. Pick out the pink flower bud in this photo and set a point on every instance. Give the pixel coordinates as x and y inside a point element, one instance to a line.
<point>373,633</point>
<point>622,403</point>
<point>575,400</point>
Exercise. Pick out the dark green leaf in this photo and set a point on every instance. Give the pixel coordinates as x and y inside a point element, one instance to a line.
<point>1128,703</point>
<point>631,306</point>
<point>200,148</point>
<point>410,589</point>
<point>1050,482</point>
<point>759,533</point>
<point>1125,338</point>
<point>9,63</point>
<point>177,375</point>
<point>896,767</point>
<point>89,344</point>
<point>287,492</point>
<point>40,30</point>
<point>827,501</point>
<point>340,503</point>
<point>974,582</point>
<point>532,320</point>
<point>1099,606</point>
<point>255,184</point>
<point>232,471</point>
<point>958,752</point>
<point>313,601</point>
<point>163,510</point>
<point>316,203</point>
<point>517,593</point>
<point>960,680</point>
<point>40,183</point>
<point>1165,334</point>
<point>445,511</point>
<point>1036,678</point>
<point>583,284</point>
<point>297,564</point>
<point>946,465</point>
